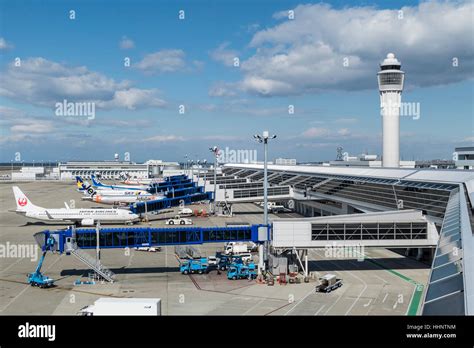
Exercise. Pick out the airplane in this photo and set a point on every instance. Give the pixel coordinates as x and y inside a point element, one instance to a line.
<point>97,184</point>
<point>138,181</point>
<point>82,216</point>
<point>99,197</point>
<point>110,192</point>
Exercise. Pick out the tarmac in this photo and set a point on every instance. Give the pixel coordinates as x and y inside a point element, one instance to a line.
<point>384,283</point>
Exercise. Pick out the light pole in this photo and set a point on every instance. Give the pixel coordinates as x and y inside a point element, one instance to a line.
<point>185,161</point>
<point>264,139</point>
<point>215,151</point>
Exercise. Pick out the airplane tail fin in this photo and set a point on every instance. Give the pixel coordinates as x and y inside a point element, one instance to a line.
<point>95,181</point>
<point>23,204</point>
<point>79,183</point>
<point>88,190</point>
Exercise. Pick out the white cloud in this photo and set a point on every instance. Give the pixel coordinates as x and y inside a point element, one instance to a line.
<point>164,138</point>
<point>221,137</point>
<point>133,98</point>
<point>222,89</point>
<point>468,140</point>
<point>224,55</point>
<point>39,81</point>
<point>126,43</point>
<point>344,132</point>
<point>33,126</point>
<point>346,120</point>
<point>306,54</point>
<point>162,61</point>
<point>18,126</point>
<point>4,44</point>
<point>315,132</point>
<point>325,133</point>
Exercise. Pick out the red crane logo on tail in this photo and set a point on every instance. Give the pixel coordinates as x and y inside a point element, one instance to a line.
<point>22,201</point>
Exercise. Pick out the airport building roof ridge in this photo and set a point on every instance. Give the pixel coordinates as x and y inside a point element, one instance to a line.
<point>438,175</point>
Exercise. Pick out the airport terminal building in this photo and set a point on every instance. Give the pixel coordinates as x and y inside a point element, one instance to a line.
<point>111,170</point>
<point>417,209</point>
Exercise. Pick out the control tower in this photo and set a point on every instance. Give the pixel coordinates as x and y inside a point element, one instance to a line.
<point>390,79</point>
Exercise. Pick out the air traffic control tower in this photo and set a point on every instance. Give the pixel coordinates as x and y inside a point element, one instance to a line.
<point>390,79</point>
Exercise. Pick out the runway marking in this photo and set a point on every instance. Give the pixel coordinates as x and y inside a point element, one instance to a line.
<point>354,276</point>
<point>319,310</point>
<point>28,286</point>
<point>417,292</point>
<point>368,303</point>
<point>385,297</point>
<point>255,305</point>
<point>299,302</point>
<point>13,264</point>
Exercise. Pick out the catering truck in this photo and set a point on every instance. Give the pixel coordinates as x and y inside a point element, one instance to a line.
<point>238,248</point>
<point>123,306</point>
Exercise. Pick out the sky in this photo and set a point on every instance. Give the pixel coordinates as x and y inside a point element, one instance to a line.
<point>165,79</point>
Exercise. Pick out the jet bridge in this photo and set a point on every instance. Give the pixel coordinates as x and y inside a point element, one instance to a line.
<point>393,229</point>
<point>131,237</point>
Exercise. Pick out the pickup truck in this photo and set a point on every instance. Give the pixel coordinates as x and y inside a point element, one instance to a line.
<point>328,283</point>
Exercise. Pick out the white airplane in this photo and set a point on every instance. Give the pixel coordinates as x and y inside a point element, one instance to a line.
<point>97,184</point>
<point>85,217</point>
<point>138,181</point>
<point>100,197</point>
<point>110,192</point>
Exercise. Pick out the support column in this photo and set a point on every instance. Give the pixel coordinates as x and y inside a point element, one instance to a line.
<point>419,255</point>
<point>306,263</point>
<point>260,259</point>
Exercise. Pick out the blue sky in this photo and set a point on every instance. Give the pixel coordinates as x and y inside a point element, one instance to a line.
<point>189,62</point>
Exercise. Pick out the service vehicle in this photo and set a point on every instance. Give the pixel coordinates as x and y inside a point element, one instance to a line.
<point>199,266</point>
<point>123,306</point>
<point>178,220</point>
<point>328,283</point>
<point>241,271</point>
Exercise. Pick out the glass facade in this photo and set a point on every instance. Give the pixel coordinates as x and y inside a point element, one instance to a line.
<point>369,231</point>
<point>257,192</point>
<point>87,239</point>
<point>432,198</point>
<point>390,79</point>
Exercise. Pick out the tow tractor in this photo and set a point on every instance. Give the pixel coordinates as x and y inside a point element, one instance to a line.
<point>241,271</point>
<point>329,282</point>
<point>37,278</point>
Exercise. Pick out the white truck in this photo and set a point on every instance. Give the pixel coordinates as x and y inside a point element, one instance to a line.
<point>123,306</point>
<point>236,248</point>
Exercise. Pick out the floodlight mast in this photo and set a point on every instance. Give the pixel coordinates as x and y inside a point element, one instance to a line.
<point>215,151</point>
<point>264,139</point>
